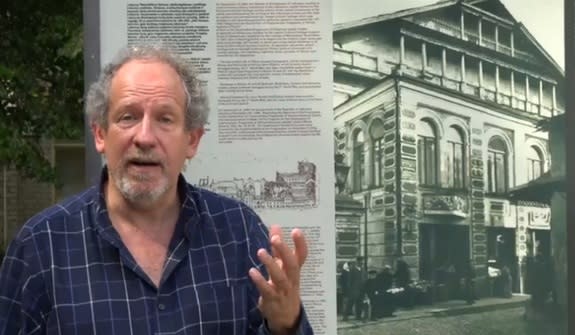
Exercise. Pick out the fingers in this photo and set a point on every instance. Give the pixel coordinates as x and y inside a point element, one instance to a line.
<point>265,289</point>
<point>294,259</point>
<point>284,268</point>
<point>275,230</point>
<point>277,275</point>
<point>297,236</point>
<point>300,244</point>
<point>288,258</point>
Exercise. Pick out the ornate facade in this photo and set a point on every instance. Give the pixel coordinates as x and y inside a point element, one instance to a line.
<point>436,111</point>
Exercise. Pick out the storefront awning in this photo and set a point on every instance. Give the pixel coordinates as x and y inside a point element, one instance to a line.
<point>538,190</point>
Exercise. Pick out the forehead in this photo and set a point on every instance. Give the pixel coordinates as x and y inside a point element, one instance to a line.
<point>146,78</point>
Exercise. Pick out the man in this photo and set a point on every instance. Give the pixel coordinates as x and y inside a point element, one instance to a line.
<point>387,301</point>
<point>353,289</point>
<point>469,282</point>
<point>144,252</point>
<point>371,290</point>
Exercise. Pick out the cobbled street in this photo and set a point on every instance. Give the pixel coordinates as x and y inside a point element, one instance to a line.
<point>497,322</point>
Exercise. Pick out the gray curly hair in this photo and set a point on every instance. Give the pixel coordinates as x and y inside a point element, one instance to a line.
<point>98,96</point>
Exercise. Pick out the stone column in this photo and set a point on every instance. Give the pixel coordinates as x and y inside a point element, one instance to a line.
<point>480,73</point>
<point>540,96</point>
<point>462,67</point>
<point>527,98</point>
<point>512,81</point>
<point>480,31</point>
<point>497,86</point>
<point>443,65</point>
<point>512,44</point>
<point>554,99</point>
<point>497,37</point>
<point>462,25</point>
<point>409,204</point>
<point>477,211</point>
<point>423,56</point>
<point>401,50</point>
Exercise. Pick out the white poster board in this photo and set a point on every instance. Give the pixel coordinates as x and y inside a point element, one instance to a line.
<point>268,73</point>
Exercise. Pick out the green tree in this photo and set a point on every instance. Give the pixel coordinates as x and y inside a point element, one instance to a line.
<point>41,81</point>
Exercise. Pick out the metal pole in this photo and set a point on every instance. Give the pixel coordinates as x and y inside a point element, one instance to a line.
<point>366,198</point>
<point>4,243</point>
<point>91,15</point>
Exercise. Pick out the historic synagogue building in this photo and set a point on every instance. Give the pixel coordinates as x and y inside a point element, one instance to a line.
<point>435,112</point>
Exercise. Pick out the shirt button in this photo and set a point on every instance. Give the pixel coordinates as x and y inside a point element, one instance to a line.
<point>161,307</point>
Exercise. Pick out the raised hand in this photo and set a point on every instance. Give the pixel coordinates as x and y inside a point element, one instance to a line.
<point>280,302</point>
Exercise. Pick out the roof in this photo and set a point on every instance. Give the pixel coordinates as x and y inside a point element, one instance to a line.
<point>442,4</point>
<point>552,122</point>
<point>540,48</point>
<point>538,190</point>
<point>395,15</point>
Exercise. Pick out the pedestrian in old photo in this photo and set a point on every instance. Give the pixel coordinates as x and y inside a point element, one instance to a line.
<point>469,282</point>
<point>388,301</point>
<point>373,294</point>
<point>354,289</point>
<point>402,279</point>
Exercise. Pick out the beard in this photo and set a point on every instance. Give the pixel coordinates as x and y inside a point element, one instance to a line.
<point>140,187</point>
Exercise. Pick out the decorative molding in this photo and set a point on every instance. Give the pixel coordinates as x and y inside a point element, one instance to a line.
<point>455,205</point>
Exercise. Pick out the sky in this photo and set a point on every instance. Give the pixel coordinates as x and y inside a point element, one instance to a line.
<point>543,18</point>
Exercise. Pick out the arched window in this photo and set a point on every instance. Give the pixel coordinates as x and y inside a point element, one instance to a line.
<point>497,165</point>
<point>359,181</point>
<point>456,157</point>
<point>427,153</point>
<point>376,133</point>
<point>534,163</point>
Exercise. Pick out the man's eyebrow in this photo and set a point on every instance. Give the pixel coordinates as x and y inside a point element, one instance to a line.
<point>127,104</point>
<point>167,107</point>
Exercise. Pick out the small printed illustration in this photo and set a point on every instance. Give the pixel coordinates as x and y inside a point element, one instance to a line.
<point>297,189</point>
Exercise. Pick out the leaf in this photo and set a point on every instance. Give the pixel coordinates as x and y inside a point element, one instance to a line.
<point>41,81</point>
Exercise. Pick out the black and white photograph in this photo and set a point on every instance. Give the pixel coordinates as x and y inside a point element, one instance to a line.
<point>450,167</point>
<point>439,129</point>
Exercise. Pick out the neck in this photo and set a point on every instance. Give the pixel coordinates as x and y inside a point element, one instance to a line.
<point>159,215</point>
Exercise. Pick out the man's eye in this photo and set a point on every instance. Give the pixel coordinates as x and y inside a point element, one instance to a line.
<point>166,120</point>
<point>127,117</point>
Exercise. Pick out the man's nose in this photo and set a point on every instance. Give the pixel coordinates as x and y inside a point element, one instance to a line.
<point>145,135</point>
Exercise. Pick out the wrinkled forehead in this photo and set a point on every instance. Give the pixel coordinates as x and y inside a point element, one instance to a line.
<point>146,69</point>
<point>147,77</point>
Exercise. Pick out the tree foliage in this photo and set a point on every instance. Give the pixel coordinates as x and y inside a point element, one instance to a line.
<point>41,81</point>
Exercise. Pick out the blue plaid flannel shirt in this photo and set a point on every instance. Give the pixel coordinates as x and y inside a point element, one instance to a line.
<point>68,272</point>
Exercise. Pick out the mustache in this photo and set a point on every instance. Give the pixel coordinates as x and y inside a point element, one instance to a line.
<point>143,158</point>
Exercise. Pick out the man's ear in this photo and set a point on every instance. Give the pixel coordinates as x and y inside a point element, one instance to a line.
<point>194,141</point>
<point>99,137</point>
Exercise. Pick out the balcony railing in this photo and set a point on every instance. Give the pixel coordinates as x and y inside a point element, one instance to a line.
<point>451,83</point>
<point>473,37</point>
<point>504,99</point>
<point>355,59</point>
<point>442,26</point>
<point>485,93</point>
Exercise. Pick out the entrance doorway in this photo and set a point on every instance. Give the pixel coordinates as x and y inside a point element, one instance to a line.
<point>539,242</point>
<point>444,256</point>
<point>501,252</point>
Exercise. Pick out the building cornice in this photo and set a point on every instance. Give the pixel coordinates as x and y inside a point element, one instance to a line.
<point>512,112</point>
<point>416,31</point>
